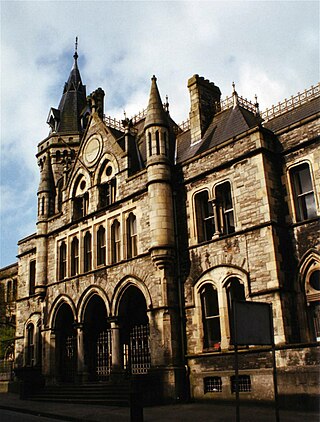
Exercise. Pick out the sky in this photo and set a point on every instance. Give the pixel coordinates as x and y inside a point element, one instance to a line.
<point>267,48</point>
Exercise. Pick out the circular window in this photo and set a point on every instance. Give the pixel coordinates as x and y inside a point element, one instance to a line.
<point>314,280</point>
<point>109,171</point>
<point>82,185</point>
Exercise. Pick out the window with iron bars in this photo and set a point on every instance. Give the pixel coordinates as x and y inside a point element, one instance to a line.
<point>244,383</point>
<point>212,385</point>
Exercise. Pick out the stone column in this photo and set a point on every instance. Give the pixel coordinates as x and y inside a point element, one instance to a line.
<point>81,373</point>
<point>116,361</point>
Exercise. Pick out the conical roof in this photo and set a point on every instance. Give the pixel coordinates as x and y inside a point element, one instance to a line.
<point>156,115</point>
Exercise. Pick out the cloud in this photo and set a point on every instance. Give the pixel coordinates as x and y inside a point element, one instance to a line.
<point>267,48</point>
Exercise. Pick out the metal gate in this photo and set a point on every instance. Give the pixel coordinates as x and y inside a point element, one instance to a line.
<point>104,355</point>
<point>137,359</point>
<point>69,358</point>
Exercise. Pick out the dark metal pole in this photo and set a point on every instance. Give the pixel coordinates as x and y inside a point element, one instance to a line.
<point>274,367</point>
<point>236,360</point>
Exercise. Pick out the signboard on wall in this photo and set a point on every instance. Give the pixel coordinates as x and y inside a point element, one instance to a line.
<point>252,323</point>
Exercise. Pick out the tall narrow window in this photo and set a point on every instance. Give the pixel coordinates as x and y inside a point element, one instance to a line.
<point>313,298</point>
<point>225,208</point>
<point>235,291</point>
<point>165,141</point>
<point>210,317</point>
<point>204,216</point>
<point>81,199</point>
<point>62,261</point>
<point>304,198</point>
<point>30,345</point>
<point>9,291</point>
<point>107,193</point>
<point>150,144</point>
<point>157,142</point>
<point>32,276</point>
<point>101,246</point>
<point>131,236</point>
<point>115,241</point>
<point>74,256</point>
<point>87,252</point>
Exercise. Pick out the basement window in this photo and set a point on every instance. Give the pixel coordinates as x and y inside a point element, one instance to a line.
<point>212,385</point>
<point>244,382</point>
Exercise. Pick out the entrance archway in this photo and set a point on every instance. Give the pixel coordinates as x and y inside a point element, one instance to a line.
<point>97,340</point>
<point>134,331</point>
<point>66,346</point>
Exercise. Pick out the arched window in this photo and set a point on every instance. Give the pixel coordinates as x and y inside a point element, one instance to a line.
<point>115,241</point>
<point>303,193</point>
<point>165,141</point>
<point>87,252</point>
<point>131,236</point>
<point>59,195</point>
<point>101,246</point>
<point>224,208</point>
<point>204,216</point>
<point>235,292</point>
<point>30,345</point>
<point>210,317</point>
<point>107,185</point>
<point>62,261</point>
<point>74,256</point>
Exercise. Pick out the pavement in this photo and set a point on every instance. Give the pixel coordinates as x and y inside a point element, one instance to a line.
<point>190,412</point>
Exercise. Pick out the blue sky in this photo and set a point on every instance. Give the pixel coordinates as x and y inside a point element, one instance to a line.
<point>267,48</point>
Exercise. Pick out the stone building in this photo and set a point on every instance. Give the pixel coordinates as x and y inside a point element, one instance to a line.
<point>148,230</point>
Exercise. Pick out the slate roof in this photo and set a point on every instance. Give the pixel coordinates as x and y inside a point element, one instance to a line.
<point>224,126</point>
<point>295,115</point>
<point>73,101</point>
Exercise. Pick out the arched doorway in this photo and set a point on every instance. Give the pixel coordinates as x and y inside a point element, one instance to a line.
<point>97,340</point>
<point>134,331</point>
<point>66,346</point>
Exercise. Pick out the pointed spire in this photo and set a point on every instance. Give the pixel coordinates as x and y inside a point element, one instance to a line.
<point>156,115</point>
<point>73,99</point>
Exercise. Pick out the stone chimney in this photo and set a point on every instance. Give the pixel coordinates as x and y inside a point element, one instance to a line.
<point>205,100</point>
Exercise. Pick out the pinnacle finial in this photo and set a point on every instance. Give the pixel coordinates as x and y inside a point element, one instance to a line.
<point>234,95</point>
<point>75,56</point>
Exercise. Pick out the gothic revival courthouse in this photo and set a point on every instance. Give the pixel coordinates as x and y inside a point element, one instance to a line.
<point>148,230</point>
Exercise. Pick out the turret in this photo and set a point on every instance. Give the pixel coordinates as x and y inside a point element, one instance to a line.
<point>46,190</point>
<point>156,129</point>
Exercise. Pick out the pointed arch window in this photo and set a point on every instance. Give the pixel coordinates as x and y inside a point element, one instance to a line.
<point>87,252</point>
<point>131,236</point>
<point>80,199</point>
<point>75,256</point>
<point>62,261</point>
<point>150,144</point>
<point>101,246</point>
<point>303,192</point>
<point>30,345</point>
<point>115,241</point>
<point>210,317</point>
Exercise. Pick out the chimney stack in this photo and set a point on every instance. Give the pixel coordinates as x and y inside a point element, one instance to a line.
<point>205,100</point>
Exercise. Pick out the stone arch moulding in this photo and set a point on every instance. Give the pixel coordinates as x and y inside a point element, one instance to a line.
<point>122,286</point>
<point>309,260</point>
<point>106,157</point>
<point>59,301</point>
<point>85,298</point>
<point>81,173</point>
<point>34,318</point>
